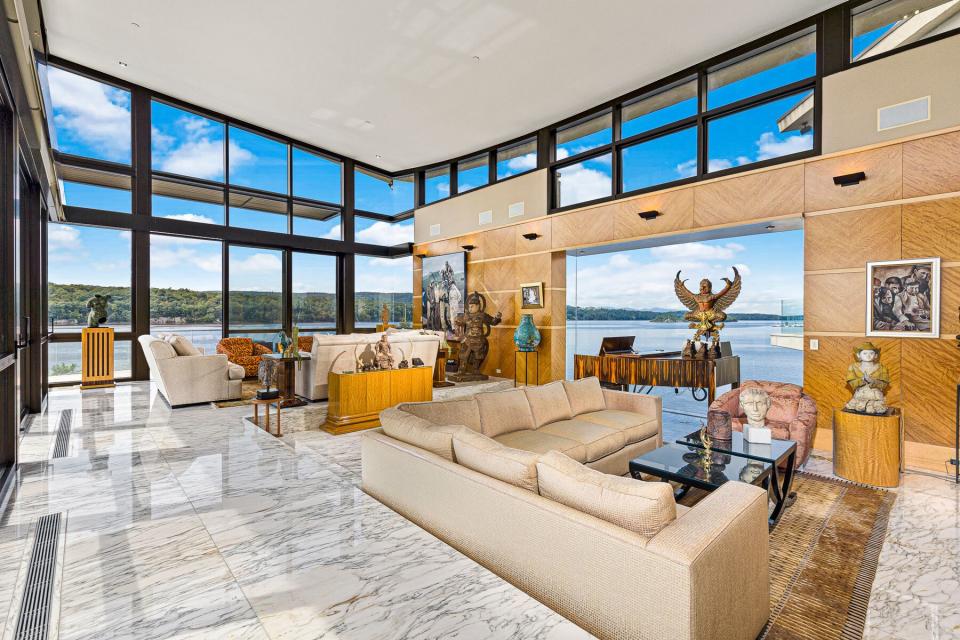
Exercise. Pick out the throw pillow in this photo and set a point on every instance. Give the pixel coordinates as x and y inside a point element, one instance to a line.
<point>585,395</point>
<point>504,412</point>
<point>548,403</point>
<point>182,346</point>
<point>489,457</point>
<point>418,432</point>
<point>642,507</point>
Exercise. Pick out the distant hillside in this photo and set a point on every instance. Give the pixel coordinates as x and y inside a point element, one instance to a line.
<point>606,313</point>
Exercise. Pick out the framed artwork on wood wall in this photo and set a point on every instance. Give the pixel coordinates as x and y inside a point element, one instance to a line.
<point>531,295</point>
<point>903,298</point>
<point>444,292</point>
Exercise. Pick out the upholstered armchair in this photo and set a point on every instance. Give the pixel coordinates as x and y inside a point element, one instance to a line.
<point>792,414</point>
<point>244,352</point>
<point>305,343</point>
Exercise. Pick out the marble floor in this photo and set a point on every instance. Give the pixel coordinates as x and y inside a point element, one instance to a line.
<point>193,523</point>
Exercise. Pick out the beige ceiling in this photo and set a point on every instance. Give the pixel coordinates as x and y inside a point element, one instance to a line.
<point>402,83</point>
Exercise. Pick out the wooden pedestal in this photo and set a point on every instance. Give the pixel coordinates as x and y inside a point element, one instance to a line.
<point>440,370</point>
<point>868,449</point>
<point>356,399</point>
<point>96,353</point>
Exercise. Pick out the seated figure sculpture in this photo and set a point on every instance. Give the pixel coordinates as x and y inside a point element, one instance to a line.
<point>868,379</point>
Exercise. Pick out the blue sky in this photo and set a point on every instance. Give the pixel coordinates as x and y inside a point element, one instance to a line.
<point>771,265</point>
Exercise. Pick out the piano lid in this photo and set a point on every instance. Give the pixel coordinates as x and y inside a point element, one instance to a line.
<point>617,345</point>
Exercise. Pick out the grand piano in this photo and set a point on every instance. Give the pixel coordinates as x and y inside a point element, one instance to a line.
<point>619,365</point>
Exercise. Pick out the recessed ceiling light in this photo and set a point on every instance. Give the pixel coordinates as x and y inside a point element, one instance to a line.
<point>134,24</point>
<point>122,63</point>
<point>476,58</point>
<point>379,156</point>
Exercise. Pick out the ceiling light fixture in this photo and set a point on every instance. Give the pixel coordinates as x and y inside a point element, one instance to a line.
<point>849,179</point>
<point>476,58</point>
<point>649,215</point>
<point>531,236</point>
<point>121,63</point>
<point>134,24</point>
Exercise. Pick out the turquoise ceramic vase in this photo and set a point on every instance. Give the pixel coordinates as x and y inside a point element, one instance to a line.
<point>526,337</point>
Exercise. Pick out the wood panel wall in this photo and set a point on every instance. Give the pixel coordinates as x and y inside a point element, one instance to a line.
<point>908,207</point>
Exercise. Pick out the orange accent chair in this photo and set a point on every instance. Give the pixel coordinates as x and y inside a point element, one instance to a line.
<point>792,414</point>
<point>305,343</point>
<point>244,352</point>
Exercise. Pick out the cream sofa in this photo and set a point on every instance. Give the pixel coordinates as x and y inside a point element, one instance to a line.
<point>340,352</point>
<point>694,574</point>
<point>185,376</point>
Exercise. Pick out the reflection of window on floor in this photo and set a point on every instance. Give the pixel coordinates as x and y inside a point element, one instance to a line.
<point>630,293</point>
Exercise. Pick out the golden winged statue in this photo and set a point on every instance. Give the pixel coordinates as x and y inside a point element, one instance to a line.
<point>707,308</point>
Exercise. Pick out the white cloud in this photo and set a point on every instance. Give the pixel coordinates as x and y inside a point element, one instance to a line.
<point>200,158</point>
<point>191,217</point>
<point>523,163</point>
<point>63,237</point>
<point>384,274</point>
<point>580,184</point>
<point>444,188</point>
<point>335,233</point>
<point>687,169</point>
<point>256,263</point>
<point>743,269</point>
<point>718,164</point>
<point>768,146</point>
<point>92,113</point>
<point>697,250</point>
<point>385,233</point>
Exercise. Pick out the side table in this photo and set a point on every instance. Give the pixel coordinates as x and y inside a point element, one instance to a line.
<point>266,403</point>
<point>867,448</point>
<point>288,378</point>
<point>526,367</point>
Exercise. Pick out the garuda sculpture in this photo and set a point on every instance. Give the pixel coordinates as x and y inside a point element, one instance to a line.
<point>707,308</point>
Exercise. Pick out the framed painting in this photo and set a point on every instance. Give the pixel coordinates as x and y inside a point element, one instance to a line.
<point>903,298</point>
<point>531,295</point>
<point>444,292</point>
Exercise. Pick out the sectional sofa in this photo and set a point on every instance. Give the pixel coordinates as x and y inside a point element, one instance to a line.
<point>530,484</point>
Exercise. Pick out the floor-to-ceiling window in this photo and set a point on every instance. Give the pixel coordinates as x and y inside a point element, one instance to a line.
<point>186,289</point>
<point>314,283</point>
<point>631,293</point>
<point>256,292</point>
<point>83,262</point>
<point>383,281</point>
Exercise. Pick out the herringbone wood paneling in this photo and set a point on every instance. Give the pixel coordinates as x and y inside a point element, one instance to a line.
<point>777,192</point>
<point>498,243</point>
<point>851,239</point>
<point>580,228</point>
<point>884,179</point>
<point>930,165</point>
<point>932,229</point>
<point>835,302</point>
<point>825,372</point>
<point>930,372</point>
<point>675,207</point>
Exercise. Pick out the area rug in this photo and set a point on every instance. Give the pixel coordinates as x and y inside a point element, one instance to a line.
<point>823,559</point>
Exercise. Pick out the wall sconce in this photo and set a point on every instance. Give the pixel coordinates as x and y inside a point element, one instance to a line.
<point>770,227</point>
<point>531,236</point>
<point>468,247</point>
<point>649,215</point>
<point>849,179</point>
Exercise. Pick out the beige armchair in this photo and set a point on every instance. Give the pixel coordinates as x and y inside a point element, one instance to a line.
<point>190,378</point>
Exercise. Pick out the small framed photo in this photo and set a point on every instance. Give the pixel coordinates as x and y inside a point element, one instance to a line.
<point>531,295</point>
<point>903,298</point>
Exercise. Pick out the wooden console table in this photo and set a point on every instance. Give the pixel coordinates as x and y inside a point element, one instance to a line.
<point>356,399</point>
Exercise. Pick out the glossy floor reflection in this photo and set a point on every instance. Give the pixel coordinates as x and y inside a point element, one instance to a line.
<point>193,523</point>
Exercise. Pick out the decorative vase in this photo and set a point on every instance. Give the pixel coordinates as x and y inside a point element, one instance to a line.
<point>526,337</point>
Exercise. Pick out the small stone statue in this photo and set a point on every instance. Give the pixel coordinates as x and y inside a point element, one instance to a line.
<point>755,403</point>
<point>267,374</point>
<point>868,379</point>
<point>475,325</point>
<point>384,357</point>
<point>98,310</point>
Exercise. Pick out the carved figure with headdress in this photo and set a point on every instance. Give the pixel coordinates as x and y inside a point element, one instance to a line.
<point>706,309</point>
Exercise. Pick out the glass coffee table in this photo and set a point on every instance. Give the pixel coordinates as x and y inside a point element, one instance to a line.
<point>734,459</point>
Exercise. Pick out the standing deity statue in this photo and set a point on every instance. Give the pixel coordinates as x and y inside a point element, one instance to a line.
<point>98,310</point>
<point>474,324</point>
<point>868,379</point>
<point>706,308</point>
<point>385,316</point>
<point>383,355</point>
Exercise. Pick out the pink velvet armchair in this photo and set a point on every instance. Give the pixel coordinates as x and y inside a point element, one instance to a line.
<point>792,415</point>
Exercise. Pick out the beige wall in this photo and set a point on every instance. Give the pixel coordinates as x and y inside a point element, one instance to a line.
<point>851,98</point>
<point>460,215</point>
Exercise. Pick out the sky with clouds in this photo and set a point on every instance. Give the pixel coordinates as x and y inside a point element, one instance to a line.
<point>771,265</point>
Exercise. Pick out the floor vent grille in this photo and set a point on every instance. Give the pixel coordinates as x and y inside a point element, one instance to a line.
<point>33,622</point>
<point>61,445</point>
